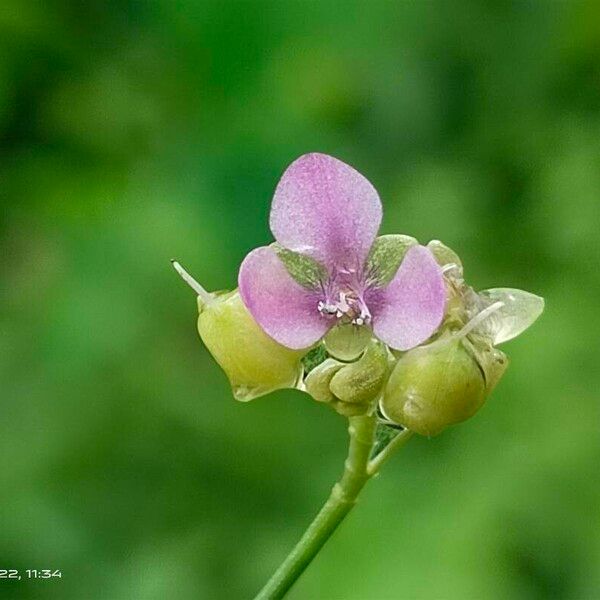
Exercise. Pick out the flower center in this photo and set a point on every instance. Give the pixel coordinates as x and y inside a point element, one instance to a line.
<point>347,307</point>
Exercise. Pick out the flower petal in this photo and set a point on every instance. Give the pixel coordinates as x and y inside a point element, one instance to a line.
<point>326,209</point>
<point>411,307</point>
<point>283,308</point>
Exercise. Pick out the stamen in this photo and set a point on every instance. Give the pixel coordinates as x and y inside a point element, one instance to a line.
<point>327,309</point>
<point>349,308</point>
<point>200,291</point>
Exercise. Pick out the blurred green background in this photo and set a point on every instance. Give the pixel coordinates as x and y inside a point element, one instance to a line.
<point>132,132</point>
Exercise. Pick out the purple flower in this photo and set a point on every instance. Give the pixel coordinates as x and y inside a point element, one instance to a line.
<point>329,214</point>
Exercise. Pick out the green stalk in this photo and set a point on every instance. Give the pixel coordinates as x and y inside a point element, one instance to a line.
<point>357,471</point>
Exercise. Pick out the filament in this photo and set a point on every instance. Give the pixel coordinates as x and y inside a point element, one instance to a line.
<point>204,295</point>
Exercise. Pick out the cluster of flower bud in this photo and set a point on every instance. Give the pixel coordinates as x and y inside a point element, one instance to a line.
<point>351,388</point>
<point>424,389</point>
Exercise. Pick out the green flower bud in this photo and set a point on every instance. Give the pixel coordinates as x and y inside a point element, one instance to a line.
<point>362,381</point>
<point>350,388</point>
<point>254,363</point>
<point>318,380</point>
<point>434,386</point>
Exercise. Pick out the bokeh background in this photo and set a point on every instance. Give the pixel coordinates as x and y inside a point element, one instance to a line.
<point>132,132</point>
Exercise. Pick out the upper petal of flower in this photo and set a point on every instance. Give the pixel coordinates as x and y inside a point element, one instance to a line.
<point>411,307</point>
<point>283,308</point>
<point>326,209</point>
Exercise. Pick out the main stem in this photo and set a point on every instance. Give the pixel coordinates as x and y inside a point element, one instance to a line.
<point>341,500</point>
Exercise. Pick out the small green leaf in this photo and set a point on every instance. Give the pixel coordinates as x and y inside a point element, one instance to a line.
<point>305,270</point>
<point>386,255</point>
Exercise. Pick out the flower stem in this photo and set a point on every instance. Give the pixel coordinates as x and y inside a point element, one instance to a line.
<point>340,502</point>
<point>376,463</point>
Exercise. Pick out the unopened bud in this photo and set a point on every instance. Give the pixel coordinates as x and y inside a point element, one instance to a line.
<point>362,381</point>
<point>254,363</point>
<point>434,386</point>
<point>350,389</point>
<point>346,409</point>
<point>317,382</point>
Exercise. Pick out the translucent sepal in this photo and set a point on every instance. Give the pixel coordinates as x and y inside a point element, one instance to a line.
<point>446,258</point>
<point>519,310</point>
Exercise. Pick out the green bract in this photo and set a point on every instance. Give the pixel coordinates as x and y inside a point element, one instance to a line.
<point>254,363</point>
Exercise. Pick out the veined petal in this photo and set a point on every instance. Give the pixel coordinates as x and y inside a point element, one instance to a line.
<point>411,307</point>
<point>284,309</point>
<point>326,209</point>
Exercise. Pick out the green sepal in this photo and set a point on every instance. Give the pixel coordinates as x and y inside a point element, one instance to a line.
<point>303,269</point>
<point>385,257</point>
